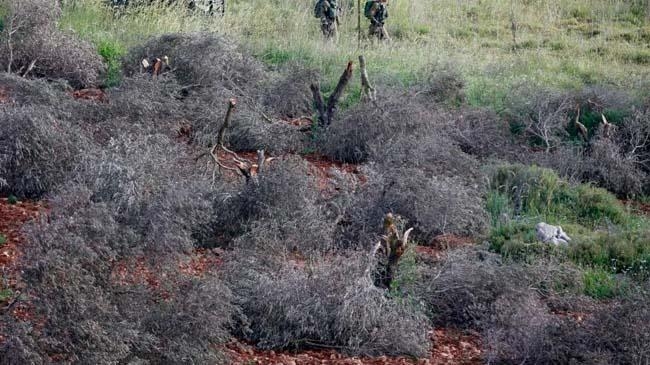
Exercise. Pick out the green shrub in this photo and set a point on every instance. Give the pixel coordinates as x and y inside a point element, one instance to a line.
<point>599,284</point>
<point>12,199</point>
<point>5,294</point>
<point>623,252</point>
<point>536,191</point>
<point>3,239</point>
<point>112,52</point>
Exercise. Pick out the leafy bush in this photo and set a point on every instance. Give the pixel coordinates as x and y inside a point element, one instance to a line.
<point>445,85</point>
<point>112,54</point>
<point>431,204</point>
<point>606,334</point>
<point>535,191</point>
<point>329,302</point>
<point>520,331</point>
<point>623,251</point>
<point>288,95</point>
<point>349,137</point>
<point>481,133</point>
<point>281,213</point>
<point>600,284</point>
<point>34,36</point>
<point>201,60</point>
<point>463,288</point>
<point>37,151</point>
<point>124,204</point>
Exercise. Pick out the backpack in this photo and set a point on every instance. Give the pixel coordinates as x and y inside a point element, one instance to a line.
<point>320,8</point>
<point>369,9</point>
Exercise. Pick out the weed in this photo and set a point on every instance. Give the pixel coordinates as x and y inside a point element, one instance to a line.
<point>5,294</point>
<point>3,239</point>
<point>600,284</point>
<point>112,52</point>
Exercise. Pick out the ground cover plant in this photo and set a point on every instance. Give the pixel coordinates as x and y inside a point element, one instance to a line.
<point>183,216</point>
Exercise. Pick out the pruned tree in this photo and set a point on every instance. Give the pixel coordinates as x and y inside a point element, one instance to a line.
<point>368,92</point>
<point>391,248</point>
<point>326,112</point>
<point>242,166</point>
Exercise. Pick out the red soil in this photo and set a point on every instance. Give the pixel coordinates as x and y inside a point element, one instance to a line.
<point>448,347</point>
<point>441,243</point>
<point>97,95</point>
<point>4,96</point>
<point>12,218</point>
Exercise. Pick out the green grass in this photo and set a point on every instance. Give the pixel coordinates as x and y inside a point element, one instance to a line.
<point>12,199</point>
<point>605,235</point>
<point>556,39</point>
<point>600,284</point>
<point>112,53</point>
<point>5,295</point>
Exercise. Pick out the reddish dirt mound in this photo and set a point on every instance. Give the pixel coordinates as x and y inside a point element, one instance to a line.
<point>449,347</point>
<point>442,243</point>
<point>97,95</point>
<point>12,218</point>
<point>4,96</point>
<point>325,171</point>
<point>304,123</point>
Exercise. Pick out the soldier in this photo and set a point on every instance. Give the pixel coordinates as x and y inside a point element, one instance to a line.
<point>328,12</point>
<point>377,12</point>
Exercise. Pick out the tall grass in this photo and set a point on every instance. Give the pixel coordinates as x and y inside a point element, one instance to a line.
<point>565,43</point>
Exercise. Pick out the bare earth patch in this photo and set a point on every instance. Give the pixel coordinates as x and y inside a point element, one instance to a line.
<point>448,347</point>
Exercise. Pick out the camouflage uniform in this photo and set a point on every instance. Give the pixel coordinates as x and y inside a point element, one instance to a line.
<point>327,11</point>
<point>377,12</point>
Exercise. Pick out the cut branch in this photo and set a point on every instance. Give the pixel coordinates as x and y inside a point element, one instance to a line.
<point>394,245</point>
<point>326,112</point>
<point>333,100</point>
<point>226,122</point>
<point>319,104</point>
<point>368,92</point>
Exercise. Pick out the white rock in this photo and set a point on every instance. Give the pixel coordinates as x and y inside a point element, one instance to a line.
<point>551,234</point>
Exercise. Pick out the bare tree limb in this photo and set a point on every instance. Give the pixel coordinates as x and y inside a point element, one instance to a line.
<point>394,245</point>
<point>226,122</point>
<point>319,104</point>
<point>260,161</point>
<point>333,100</point>
<point>369,92</point>
<point>326,112</point>
<point>29,68</point>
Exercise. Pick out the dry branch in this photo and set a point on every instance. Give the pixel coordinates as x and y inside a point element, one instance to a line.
<point>326,113</point>
<point>393,247</point>
<point>226,122</point>
<point>368,92</point>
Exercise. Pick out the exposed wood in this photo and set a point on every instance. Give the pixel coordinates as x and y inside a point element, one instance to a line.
<point>222,131</point>
<point>333,100</point>
<point>607,127</point>
<point>367,90</point>
<point>318,103</point>
<point>29,68</point>
<point>326,112</point>
<point>393,247</point>
<point>582,130</point>
<point>260,161</point>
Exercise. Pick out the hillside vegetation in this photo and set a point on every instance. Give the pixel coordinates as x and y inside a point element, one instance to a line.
<point>206,206</point>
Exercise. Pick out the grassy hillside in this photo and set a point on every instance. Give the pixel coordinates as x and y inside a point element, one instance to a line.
<point>565,44</point>
<point>207,212</point>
